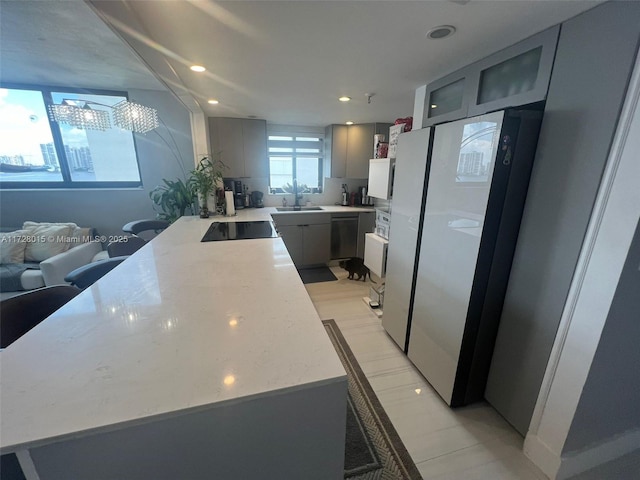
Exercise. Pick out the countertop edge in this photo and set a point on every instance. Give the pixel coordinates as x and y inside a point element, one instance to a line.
<point>167,415</point>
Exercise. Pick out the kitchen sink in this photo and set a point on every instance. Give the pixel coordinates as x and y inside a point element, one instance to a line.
<point>297,209</point>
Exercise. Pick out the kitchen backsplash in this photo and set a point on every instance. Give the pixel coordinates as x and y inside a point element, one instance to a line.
<point>332,194</point>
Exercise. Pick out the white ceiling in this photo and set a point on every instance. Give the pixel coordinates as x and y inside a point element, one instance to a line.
<point>284,61</point>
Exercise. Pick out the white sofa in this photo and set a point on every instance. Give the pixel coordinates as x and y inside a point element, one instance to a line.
<point>55,248</point>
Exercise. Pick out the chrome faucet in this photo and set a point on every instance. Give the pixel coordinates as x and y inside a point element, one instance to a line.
<point>296,194</point>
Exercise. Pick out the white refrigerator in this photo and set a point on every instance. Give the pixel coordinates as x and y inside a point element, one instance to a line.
<point>406,218</point>
<point>477,173</point>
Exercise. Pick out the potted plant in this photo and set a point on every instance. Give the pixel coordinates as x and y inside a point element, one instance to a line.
<point>173,198</point>
<point>204,181</point>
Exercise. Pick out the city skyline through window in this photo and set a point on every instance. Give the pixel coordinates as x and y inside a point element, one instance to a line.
<point>30,157</point>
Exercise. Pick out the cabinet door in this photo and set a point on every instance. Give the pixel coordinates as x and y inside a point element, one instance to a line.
<point>254,134</point>
<point>359,150</point>
<point>366,224</point>
<point>339,142</point>
<point>227,144</point>
<point>448,98</point>
<point>292,237</point>
<point>317,244</point>
<point>517,75</point>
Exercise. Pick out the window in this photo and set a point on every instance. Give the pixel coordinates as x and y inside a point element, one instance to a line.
<point>36,152</point>
<point>295,156</point>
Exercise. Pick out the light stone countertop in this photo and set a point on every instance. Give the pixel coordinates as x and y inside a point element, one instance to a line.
<point>179,327</point>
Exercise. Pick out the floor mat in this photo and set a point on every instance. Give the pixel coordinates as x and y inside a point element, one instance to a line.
<point>316,274</point>
<point>373,449</point>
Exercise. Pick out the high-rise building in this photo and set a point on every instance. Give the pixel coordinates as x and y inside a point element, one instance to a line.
<point>470,163</point>
<point>49,154</point>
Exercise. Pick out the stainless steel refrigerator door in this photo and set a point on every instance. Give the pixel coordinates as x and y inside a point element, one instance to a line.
<point>408,185</point>
<point>461,171</point>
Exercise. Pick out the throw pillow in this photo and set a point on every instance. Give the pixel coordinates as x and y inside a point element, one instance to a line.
<point>78,234</point>
<point>12,246</point>
<point>50,240</point>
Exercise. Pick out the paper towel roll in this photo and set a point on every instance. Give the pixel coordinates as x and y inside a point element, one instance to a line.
<point>228,198</point>
<point>377,138</point>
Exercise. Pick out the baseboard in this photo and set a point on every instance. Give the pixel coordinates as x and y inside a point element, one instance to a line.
<point>562,468</point>
<point>575,463</point>
<point>539,453</point>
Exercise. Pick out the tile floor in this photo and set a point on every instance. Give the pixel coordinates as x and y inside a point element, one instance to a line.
<point>468,443</point>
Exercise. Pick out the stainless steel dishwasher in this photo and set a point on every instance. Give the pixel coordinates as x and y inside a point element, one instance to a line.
<point>344,235</point>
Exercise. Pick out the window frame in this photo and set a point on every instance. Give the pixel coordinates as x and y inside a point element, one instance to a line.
<point>294,132</point>
<point>67,183</point>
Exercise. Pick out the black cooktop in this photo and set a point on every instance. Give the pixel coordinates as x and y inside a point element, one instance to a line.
<point>239,231</point>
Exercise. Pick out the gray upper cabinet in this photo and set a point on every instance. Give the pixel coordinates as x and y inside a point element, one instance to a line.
<point>448,98</point>
<point>335,151</point>
<point>241,144</point>
<point>349,148</point>
<point>359,150</point>
<point>515,76</point>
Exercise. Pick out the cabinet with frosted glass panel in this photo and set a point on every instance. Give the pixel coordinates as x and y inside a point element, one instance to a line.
<point>518,75</point>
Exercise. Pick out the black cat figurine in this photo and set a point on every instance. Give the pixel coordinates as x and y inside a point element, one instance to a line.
<point>355,265</point>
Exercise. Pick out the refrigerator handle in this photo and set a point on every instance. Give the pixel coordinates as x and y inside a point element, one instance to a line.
<point>505,150</point>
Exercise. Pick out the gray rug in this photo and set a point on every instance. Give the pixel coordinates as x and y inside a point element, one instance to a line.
<point>316,274</point>
<point>373,449</point>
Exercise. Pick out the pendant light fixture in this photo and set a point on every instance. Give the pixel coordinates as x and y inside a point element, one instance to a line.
<point>126,115</point>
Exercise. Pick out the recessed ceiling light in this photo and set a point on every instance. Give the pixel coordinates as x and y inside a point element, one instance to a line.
<point>344,99</point>
<point>198,68</point>
<point>441,32</point>
<point>213,101</point>
<point>349,122</point>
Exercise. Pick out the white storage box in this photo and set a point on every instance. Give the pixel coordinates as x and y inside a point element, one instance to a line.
<point>375,253</point>
<point>380,178</point>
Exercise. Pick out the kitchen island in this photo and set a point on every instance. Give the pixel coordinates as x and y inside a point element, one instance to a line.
<point>189,360</point>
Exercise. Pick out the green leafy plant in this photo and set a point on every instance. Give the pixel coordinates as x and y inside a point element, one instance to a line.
<point>206,178</point>
<point>172,199</point>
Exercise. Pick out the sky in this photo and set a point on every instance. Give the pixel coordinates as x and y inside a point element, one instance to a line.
<point>24,124</point>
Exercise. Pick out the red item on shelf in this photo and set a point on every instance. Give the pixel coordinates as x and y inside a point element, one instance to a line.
<point>408,123</point>
<point>383,150</point>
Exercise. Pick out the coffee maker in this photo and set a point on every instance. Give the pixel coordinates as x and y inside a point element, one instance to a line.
<point>235,186</point>
<point>256,199</point>
<point>238,195</point>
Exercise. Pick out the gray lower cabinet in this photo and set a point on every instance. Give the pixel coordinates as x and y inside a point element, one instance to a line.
<point>292,237</point>
<point>315,242</point>
<point>307,237</point>
<point>366,224</point>
<point>317,238</point>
